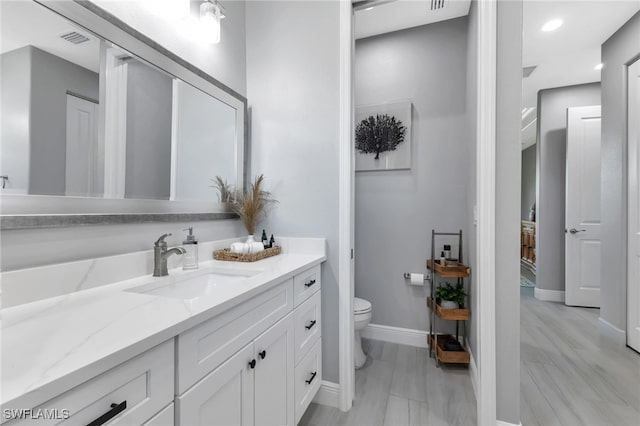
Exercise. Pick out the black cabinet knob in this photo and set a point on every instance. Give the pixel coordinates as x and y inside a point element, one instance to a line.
<point>313,376</point>
<point>310,283</point>
<point>252,363</point>
<point>311,324</point>
<point>262,354</point>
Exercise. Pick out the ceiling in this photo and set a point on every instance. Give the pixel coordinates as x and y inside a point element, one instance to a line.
<point>25,23</point>
<point>393,15</point>
<point>568,55</point>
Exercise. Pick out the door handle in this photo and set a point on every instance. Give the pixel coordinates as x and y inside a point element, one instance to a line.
<point>575,231</point>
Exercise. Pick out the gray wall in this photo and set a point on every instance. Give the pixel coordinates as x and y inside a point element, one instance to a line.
<point>552,156</point>
<point>619,51</point>
<point>51,78</point>
<point>528,197</point>
<point>293,92</point>
<point>149,103</point>
<point>472,109</point>
<point>395,211</point>
<point>226,62</point>
<point>508,172</point>
<point>15,84</point>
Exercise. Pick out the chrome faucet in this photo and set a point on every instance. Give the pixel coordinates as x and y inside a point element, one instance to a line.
<point>160,255</point>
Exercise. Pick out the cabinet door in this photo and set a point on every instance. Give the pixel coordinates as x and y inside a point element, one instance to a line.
<point>224,397</point>
<point>274,393</point>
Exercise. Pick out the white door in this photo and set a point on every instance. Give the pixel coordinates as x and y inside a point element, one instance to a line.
<point>274,375</point>
<point>82,153</point>
<point>633,261</point>
<point>224,397</point>
<point>582,213</point>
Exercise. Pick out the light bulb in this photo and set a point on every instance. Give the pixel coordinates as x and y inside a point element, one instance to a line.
<point>209,23</point>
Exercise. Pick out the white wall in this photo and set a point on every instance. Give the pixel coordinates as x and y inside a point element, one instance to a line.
<point>617,52</point>
<point>528,197</point>
<point>293,92</point>
<point>395,211</point>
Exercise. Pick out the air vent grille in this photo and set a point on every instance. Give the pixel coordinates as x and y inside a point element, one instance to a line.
<point>527,71</point>
<point>74,37</point>
<point>437,4</point>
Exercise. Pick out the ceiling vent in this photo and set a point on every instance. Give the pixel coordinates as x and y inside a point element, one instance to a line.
<point>527,71</point>
<point>437,4</point>
<point>74,37</point>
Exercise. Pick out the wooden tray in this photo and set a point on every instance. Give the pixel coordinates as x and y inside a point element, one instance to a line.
<point>225,254</point>
<point>457,270</point>
<point>460,314</point>
<point>450,357</point>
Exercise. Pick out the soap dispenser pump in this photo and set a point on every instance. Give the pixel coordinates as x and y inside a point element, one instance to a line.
<point>190,258</point>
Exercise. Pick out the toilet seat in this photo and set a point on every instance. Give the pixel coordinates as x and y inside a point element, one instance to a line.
<point>361,306</point>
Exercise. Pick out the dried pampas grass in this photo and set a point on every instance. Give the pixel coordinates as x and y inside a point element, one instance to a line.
<point>252,204</point>
<point>225,190</point>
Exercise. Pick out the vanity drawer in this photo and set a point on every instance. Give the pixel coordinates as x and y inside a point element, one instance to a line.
<point>163,418</point>
<point>308,376</point>
<point>144,385</point>
<point>305,284</point>
<point>206,346</point>
<point>308,325</point>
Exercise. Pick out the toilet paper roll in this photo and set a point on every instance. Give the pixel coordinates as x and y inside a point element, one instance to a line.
<point>417,279</point>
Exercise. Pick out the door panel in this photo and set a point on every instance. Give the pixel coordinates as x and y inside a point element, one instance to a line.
<point>82,153</point>
<point>224,397</point>
<point>274,374</point>
<point>582,241</point>
<point>633,260</point>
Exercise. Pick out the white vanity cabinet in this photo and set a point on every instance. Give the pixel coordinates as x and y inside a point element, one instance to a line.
<point>247,362</point>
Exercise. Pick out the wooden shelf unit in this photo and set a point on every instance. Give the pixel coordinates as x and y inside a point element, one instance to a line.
<point>528,242</point>
<point>448,357</point>
<point>460,314</point>
<point>458,271</point>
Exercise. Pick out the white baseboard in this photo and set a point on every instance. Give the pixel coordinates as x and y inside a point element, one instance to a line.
<point>328,394</point>
<point>617,336</point>
<point>402,336</point>
<point>549,295</point>
<point>473,371</point>
<point>501,423</point>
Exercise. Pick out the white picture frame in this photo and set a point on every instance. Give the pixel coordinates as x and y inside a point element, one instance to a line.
<point>400,157</point>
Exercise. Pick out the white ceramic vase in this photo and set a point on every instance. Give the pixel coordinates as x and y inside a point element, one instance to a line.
<point>449,304</point>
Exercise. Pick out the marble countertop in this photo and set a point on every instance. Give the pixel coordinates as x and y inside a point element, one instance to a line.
<point>51,345</point>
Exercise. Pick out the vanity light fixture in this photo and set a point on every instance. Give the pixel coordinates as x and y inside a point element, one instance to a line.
<point>552,25</point>
<point>598,67</point>
<point>211,12</point>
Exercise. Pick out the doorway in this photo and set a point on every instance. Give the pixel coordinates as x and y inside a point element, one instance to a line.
<point>633,256</point>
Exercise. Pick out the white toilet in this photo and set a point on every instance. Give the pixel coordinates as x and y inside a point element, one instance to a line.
<point>361,317</point>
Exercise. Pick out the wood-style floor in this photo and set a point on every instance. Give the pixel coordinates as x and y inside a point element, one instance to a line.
<point>400,385</point>
<point>570,374</point>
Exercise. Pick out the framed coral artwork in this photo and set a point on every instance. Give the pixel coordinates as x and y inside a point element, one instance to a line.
<point>383,136</point>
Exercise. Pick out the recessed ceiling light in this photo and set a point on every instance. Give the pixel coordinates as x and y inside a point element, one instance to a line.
<point>552,25</point>
<point>369,8</point>
<point>598,67</point>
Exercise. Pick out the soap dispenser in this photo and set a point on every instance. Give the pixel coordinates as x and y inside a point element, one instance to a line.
<point>190,257</point>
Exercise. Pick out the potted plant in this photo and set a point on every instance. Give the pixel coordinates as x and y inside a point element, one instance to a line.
<point>251,205</point>
<point>450,297</point>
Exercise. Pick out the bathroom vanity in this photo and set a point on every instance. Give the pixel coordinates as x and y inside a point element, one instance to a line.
<point>230,343</point>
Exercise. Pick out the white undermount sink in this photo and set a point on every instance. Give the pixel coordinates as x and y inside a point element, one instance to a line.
<point>219,282</point>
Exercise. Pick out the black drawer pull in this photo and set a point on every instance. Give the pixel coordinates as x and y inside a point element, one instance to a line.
<point>311,324</point>
<point>115,410</point>
<point>313,376</point>
<point>252,363</point>
<point>262,354</point>
<point>310,283</point>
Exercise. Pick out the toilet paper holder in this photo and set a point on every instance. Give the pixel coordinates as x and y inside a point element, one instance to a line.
<point>407,276</point>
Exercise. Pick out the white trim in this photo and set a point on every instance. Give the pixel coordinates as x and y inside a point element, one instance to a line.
<point>501,423</point>
<point>328,394</point>
<point>401,336</point>
<point>473,370</point>
<point>486,193</point>
<point>549,295</point>
<point>613,333</point>
<point>345,214</point>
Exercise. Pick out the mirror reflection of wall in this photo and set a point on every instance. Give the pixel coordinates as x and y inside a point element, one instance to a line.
<point>82,117</point>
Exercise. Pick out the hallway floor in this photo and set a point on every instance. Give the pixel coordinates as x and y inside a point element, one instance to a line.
<point>400,385</point>
<point>571,375</point>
